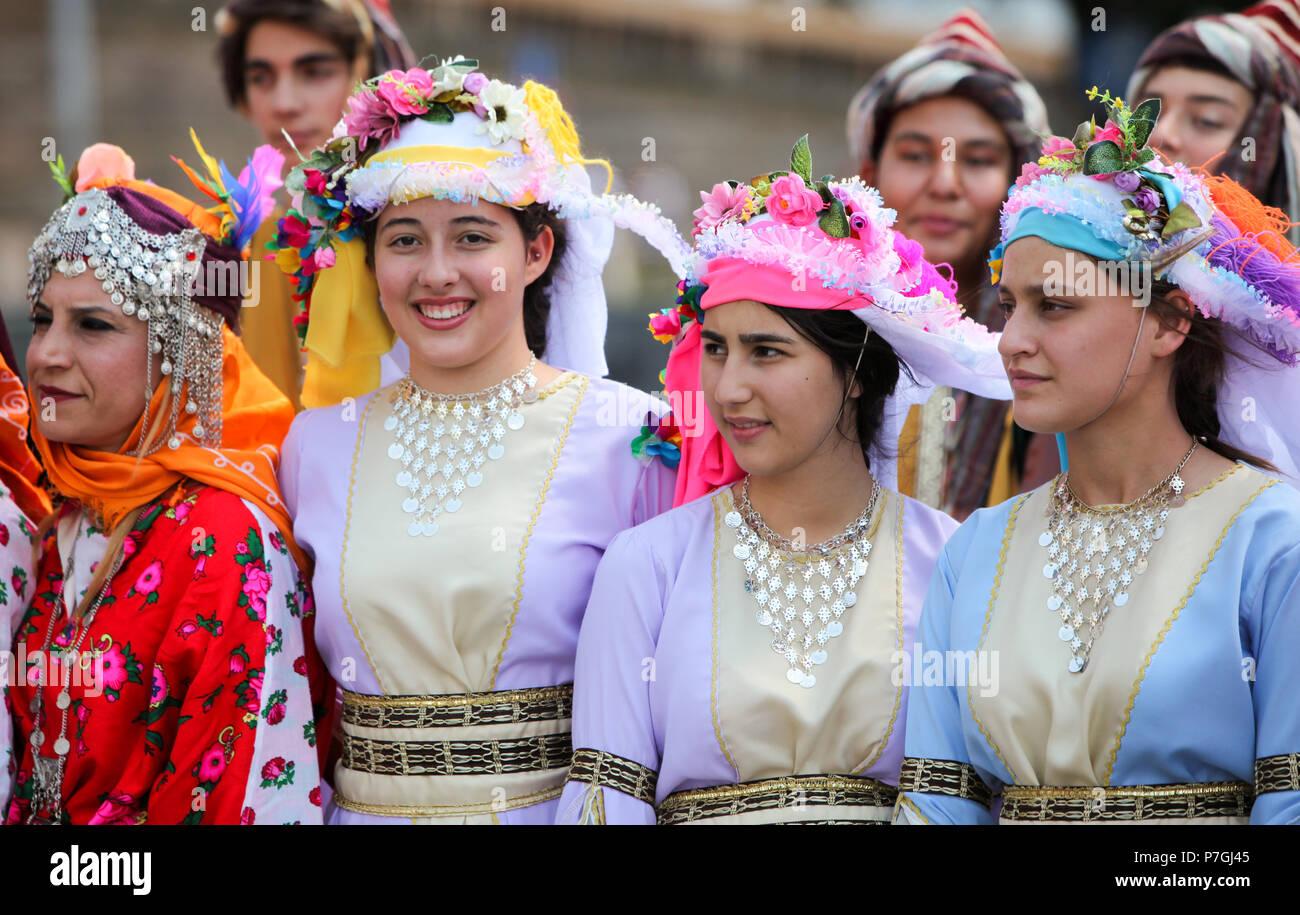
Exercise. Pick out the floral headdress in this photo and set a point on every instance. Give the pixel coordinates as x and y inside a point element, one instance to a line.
<point>448,132</point>
<point>788,240</point>
<point>1106,194</point>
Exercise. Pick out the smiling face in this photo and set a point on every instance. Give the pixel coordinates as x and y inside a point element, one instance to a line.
<point>1201,114</point>
<point>944,166</point>
<point>1065,354</point>
<point>772,393</point>
<point>452,278</point>
<point>86,365</point>
<point>297,80</point>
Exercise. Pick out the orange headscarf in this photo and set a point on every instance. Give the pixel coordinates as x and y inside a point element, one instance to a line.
<point>18,468</point>
<point>255,418</point>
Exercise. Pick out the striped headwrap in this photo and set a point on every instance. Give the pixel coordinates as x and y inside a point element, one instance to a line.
<point>960,58</point>
<point>1260,48</point>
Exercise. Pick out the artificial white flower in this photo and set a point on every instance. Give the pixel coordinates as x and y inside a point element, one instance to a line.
<point>450,75</point>
<point>505,111</point>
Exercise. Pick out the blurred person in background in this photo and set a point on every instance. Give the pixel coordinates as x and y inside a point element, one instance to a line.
<point>288,66</point>
<point>942,131</point>
<point>1229,89</point>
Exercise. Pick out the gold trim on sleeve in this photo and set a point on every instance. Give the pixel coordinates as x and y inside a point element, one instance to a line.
<point>598,768</point>
<point>1277,773</point>
<point>943,776</point>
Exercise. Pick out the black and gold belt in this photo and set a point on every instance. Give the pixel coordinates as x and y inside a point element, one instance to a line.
<point>817,799</point>
<point>453,754</point>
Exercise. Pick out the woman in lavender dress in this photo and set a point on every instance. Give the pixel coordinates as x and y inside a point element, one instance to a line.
<point>455,534</point>
<point>810,328</point>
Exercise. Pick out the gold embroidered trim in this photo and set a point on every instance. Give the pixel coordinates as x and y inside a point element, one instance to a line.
<point>456,757</point>
<point>901,503</point>
<point>1127,802</point>
<point>1173,617</point>
<point>774,793</point>
<point>906,802</point>
<point>713,686</point>
<point>550,703</point>
<point>537,513</point>
<point>1277,773</point>
<point>832,823</point>
<point>988,618</point>
<point>347,531</point>
<point>943,776</point>
<point>596,767</point>
<point>447,810</point>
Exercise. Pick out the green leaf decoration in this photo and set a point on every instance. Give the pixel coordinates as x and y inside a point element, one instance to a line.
<point>1183,217</point>
<point>835,221</point>
<point>801,160</point>
<point>60,173</point>
<point>1143,121</point>
<point>1103,158</point>
<point>438,113</point>
<point>1145,155</point>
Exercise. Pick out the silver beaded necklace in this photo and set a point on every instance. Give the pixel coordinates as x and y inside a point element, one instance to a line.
<point>803,618</point>
<point>48,772</point>
<point>443,441</point>
<point>1094,555</point>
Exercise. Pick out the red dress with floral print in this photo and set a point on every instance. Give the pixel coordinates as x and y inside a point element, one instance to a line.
<point>170,733</point>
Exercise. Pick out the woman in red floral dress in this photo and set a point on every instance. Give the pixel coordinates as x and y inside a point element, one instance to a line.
<point>164,660</point>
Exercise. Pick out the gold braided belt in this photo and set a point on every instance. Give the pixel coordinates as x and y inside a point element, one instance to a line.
<point>1024,804</point>
<point>453,755</point>
<point>791,800</point>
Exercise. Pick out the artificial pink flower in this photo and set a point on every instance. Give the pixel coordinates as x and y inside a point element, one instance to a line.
<point>182,511</point>
<point>1110,132</point>
<point>1031,172</point>
<point>1059,148</point>
<point>370,119</point>
<point>103,162</point>
<point>273,769</point>
<point>323,257</point>
<point>666,327</point>
<point>314,181</point>
<point>406,93</point>
<point>237,661</point>
<point>720,204</point>
<point>792,202</point>
<point>275,714</point>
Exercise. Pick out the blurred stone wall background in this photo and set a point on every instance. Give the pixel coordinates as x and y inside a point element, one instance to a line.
<point>713,88</point>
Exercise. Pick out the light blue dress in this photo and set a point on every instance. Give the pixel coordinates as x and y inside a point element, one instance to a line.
<point>1195,681</point>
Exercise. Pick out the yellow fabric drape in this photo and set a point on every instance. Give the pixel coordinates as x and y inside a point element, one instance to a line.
<point>266,328</point>
<point>348,331</point>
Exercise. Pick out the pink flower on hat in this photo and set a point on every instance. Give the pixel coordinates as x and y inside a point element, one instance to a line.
<point>720,204</point>
<point>792,202</point>
<point>406,93</point>
<point>1059,148</point>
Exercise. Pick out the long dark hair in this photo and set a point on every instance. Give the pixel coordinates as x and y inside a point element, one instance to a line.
<point>839,334</point>
<point>1199,367</point>
<point>537,300</point>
